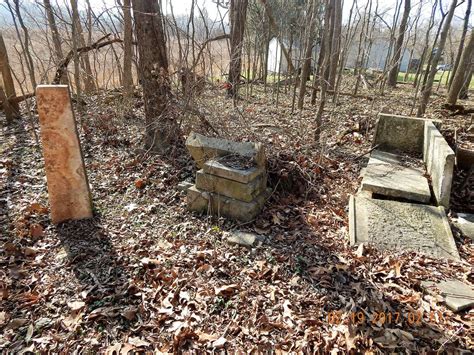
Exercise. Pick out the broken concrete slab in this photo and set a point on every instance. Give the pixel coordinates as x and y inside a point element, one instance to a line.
<point>230,188</point>
<point>457,295</point>
<point>400,133</point>
<point>68,188</point>
<point>242,238</point>
<point>401,226</point>
<point>465,222</point>
<point>385,175</point>
<point>203,148</point>
<point>214,204</point>
<point>218,168</point>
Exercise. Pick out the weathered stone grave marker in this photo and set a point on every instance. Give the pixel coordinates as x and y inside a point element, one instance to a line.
<point>232,180</point>
<point>68,188</point>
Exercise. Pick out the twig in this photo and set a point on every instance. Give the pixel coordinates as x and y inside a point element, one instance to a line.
<point>367,152</point>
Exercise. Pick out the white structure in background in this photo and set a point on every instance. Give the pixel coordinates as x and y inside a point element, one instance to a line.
<point>276,58</point>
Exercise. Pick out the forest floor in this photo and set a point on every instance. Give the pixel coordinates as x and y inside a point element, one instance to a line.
<point>146,274</point>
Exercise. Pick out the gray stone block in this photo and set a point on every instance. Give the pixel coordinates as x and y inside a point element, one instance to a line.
<point>203,148</point>
<point>457,295</point>
<point>386,176</point>
<point>465,222</point>
<point>217,205</point>
<point>229,188</point>
<point>399,133</point>
<point>401,226</point>
<point>439,159</point>
<point>215,167</point>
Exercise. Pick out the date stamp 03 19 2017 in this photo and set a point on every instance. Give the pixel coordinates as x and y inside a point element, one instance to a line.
<point>385,318</point>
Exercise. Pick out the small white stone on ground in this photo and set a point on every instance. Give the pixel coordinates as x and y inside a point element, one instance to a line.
<point>242,238</point>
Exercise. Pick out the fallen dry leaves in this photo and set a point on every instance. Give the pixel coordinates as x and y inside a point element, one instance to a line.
<point>147,275</point>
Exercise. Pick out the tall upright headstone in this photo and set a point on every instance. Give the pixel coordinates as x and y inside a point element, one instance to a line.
<point>68,188</point>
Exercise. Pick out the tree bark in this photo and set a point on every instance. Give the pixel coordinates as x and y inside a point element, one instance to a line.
<point>336,43</point>
<point>305,70</point>
<point>25,43</point>
<point>55,36</point>
<point>426,89</point>
<point>461,42</point>
<point>161,128</point>
<point>127,48</point>
<point>397,55</point>
<point>465,66</point>
<point>463,94</point>
<point>89,85</point>
<point>327,40</point>
<point>237,15</point>
<point>5,71</point>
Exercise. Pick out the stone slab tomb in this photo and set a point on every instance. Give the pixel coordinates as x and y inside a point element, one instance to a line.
<point>68,188</point>
<point>393,207</point>
<point>408,150</point>
<point>232,179</point>
<point>394,225</point>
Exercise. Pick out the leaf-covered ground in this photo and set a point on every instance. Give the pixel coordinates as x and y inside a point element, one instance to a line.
<point>145,274</point>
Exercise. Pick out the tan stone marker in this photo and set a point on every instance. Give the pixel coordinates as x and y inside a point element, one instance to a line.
<point>68,188</point>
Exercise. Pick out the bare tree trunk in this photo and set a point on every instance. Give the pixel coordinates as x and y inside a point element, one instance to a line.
<point>461,42</point>
<point>25,42</point>
<point>127,48</point>
<point>237,15</point>
<point>397,54</point>
<point>336,43</point>
<point>426,90</point>
<point>463,94</point>
<point>80,42</point>
<point>6,107</point>
<point>6,74</point>
<point>328,18</point>
<point>305,70</point>
<point>465,66</point>
<point>55,36</point>
<point>161,128</point>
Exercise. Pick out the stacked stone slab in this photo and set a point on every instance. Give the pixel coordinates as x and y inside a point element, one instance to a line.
<point>232,180</point>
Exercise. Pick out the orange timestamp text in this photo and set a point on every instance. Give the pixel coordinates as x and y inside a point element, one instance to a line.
<point>385,318</point>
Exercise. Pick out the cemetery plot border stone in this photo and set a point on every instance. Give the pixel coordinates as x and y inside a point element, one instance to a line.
<point>68,187</point>
<point>399,226</point>
<point>439,159</point>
